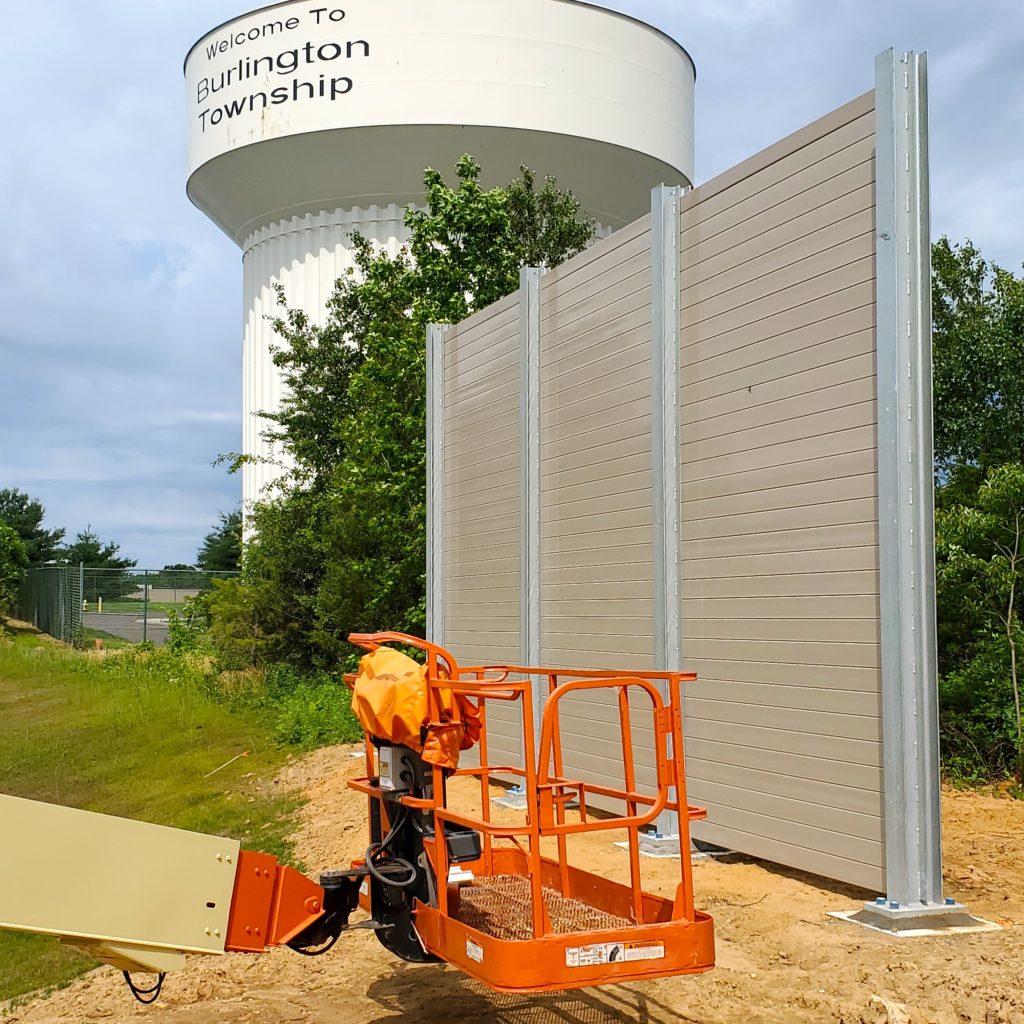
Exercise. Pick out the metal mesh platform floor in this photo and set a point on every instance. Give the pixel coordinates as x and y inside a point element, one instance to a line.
<point>500,905</point>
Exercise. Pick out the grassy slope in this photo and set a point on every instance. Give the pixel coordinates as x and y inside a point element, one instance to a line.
<point>122,737</point>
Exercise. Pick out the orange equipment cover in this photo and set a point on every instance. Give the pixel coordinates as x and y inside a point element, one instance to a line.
<point>390,700</point>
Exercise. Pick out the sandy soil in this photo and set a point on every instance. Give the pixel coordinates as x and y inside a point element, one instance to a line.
<point>780,958</point>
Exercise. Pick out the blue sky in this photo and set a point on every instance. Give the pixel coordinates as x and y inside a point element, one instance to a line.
<point>120,337</point>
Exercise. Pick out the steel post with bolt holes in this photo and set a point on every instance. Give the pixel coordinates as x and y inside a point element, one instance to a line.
<point>913,836</point>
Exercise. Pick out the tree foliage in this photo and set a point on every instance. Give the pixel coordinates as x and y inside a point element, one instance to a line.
<point>978,311</point>
<point>979,461</point>
<point>111,579</point>
<point>980,551</point>
<point>13,563</point>
<point>221,550</point>
<point>25,516</point>
<point>88,550</point>
<point>340,546</point>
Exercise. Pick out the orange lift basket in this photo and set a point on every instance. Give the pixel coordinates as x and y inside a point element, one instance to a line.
<point>513,912</point>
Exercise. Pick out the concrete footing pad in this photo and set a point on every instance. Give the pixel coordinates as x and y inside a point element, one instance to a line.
<point>667,847</point>
<point>514,799</point>
<point>916,920</point>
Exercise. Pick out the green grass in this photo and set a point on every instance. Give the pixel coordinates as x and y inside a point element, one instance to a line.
<point>110,642</point>
<point>135,607</point>
<point>132,735</point>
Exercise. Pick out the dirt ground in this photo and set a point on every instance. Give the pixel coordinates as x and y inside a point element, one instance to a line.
<point>780,958</point>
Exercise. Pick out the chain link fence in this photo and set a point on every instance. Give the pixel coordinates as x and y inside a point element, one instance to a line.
<point>73,603</point>
<point>51,599</point>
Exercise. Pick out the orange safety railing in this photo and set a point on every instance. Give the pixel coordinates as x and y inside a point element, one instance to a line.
<point>547,788</point>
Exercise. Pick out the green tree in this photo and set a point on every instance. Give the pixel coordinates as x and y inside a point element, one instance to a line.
<point>978,313</point>
<point>111,573</point>
<point>221,550</point>
<point>341,545</point>
<point>13,563</point>
<point>981,581</point>
<point>25,516</point>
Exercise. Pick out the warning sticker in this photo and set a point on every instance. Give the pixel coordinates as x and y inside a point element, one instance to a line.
<point>645,951</point>
<point>613,953</point>
<point>474,951</point>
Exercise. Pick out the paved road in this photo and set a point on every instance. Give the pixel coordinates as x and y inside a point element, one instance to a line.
<point>128,627</point>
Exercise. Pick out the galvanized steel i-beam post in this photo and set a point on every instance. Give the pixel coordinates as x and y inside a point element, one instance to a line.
<point>668,631</point>
<point>435,482</point>
<point>905,496</point>
<point>529,408</point>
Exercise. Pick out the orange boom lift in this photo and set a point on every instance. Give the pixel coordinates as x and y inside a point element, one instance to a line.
<point>499,900</point>
<point>514,918</point>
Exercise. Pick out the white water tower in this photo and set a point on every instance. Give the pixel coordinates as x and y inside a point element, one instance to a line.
<point>306,122</point>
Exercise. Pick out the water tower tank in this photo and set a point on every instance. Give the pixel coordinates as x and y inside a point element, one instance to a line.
<point>306,122</point>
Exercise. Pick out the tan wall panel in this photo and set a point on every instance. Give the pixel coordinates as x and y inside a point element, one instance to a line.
<point>779,510</point>
<point>835,177</point>
<point>580,371</point>
<point>472,527</point>
<point>624,486</point>
<point>841,796</point>
<point>477,505</point>
<point>840,749</point>
<point>832,606</point>
<point>814,141</point>
<point>755,480</point>
<point>595,522</point>
<point>778,498</point>
<point>586,416</point>
<point>597,556</point>
<point>837,653</point>
<point>766,716</point>
<point>741,526</point>
<point>789,696</point>
<point>845,417</point>
<point>797,584</point>
<point>562,457</point>
<point>723,378</point>
<point>616,292</point>
<point>822,538</point>
<point>577,349</point>
<point>790,821</point>
<point>574,593</point>
<point>768,317</point>
<point>459,460</point>
<point>844,630</point>
<point>826,249</point>
<point>851,313</point>
<point>783,673</point>
<point>486,339</point>
<point>467,572</point>
<point>482,369</point>
<point>783,453</point>
<point>842,383</point>
<point>870,876</point>
<point>481,518</point>
<point>615,249</point>
<point>768,768</point>
<point>712,207</point>
<point>595,495</point>
<point>563,306</point>
<point>826,204</point>
<point>490,386</point>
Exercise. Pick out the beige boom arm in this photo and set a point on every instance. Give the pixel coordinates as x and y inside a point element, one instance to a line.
<point>139,896</point>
